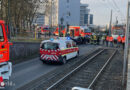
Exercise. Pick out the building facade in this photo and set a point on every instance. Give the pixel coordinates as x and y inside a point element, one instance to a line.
<point>67,10</point>
<point>84,14</point>
<point>70,12</point>
<point>91,19</point>
<point>39,19</point>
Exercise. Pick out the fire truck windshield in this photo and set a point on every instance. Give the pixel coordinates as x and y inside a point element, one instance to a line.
<point>87,30</point>
<point>50,46</point>
<point>1,34</point>
<point>118,32</point>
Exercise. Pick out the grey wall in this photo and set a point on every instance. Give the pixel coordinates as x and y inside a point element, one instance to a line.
<point>21,50</point>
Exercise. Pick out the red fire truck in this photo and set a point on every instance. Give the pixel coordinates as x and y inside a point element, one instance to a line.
<point>5,65</point>
<point>45,30</point>
<point>118,30</point>
<point>56,32</point>
<point>85,31</point>
<point>75,31</point>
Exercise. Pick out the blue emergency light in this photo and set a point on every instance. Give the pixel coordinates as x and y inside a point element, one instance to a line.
<point>51,39</point>
<point>68,38</point>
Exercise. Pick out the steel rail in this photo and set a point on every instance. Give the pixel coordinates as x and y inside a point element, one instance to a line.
<point>102,69</point>
<point>70,73</point>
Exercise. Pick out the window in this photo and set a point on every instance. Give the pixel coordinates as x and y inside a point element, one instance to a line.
<point>77,30</point>
<point>74,44</point>
<point>1,34</point>
<point>68,45</point>
<point>87,30</point>
<point>50,46</point>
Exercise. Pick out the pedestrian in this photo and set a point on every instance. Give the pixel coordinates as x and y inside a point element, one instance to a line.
<point>107,40</point>
<point>123,42</point>
<point>103,39</point>
<point>87,39</point>
<point>119,39</point>
<point>111,41</point>
<point>91,39</point>
<point>98,40</point>
<point>95,39</point>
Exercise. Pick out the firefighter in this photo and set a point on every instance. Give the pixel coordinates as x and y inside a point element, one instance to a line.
<point>95,39</point>
<point>123,42</point>
<point>107,40</point>
<point>84,40</point>
<point>98,39</point>
<point>103,39</point>
<point>111,41</point>
<point>88,39</point>
<point>91,39</point>
<point>119,39</point>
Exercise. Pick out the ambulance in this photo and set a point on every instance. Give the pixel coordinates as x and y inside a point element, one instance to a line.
<point>58,50</point>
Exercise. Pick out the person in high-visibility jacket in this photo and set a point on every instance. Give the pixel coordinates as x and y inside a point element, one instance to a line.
<point>119,39</point>
<point>91,39</point>
<point>103,39</point>
<point>111,41</point>
<point>123,42</point>
<point>107,40</point>
<point>95,39</point>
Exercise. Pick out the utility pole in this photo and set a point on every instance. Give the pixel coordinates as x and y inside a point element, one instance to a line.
<point>51,13</point>
<point>61,26</point>
<point>110,24</point>
<point>126,54</point>
<point>116,21</point>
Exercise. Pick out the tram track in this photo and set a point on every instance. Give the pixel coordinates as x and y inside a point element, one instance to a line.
<point>44,81</point>
<point>86,74</point>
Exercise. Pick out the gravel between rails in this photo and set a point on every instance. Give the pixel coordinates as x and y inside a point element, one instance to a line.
<point>86,74</point>
<point>44,81</point>
<point>112,76</point>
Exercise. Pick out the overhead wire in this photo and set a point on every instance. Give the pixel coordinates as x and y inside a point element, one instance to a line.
<point>113,5</point>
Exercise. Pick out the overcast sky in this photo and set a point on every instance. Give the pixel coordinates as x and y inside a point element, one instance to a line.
<point>102,8</point>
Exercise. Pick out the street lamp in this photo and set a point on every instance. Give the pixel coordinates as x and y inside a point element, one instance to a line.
<point>126,44</point>
<point>61,25</point>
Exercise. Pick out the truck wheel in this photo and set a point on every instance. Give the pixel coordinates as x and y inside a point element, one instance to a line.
<point>64,60</point>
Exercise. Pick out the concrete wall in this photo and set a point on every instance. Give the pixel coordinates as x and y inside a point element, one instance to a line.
<point>21,50</point>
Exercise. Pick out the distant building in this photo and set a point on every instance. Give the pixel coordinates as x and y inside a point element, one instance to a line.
<point>39,19</point>
<point>69,11</point>
<point>90,19</point>
<point>84,14</point>
<point>51,19</point>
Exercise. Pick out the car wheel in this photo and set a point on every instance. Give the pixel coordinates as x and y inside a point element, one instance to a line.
<point>64,60</point>
<point>77,54</point>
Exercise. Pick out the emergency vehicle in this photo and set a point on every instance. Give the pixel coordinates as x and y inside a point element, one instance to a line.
<point>74,31</point>
<point>58,50</point>
<point>63,31</point>
<point>85,31</point>
<point>5,65</point>
<point>45,30</point>
<point>118,30</point>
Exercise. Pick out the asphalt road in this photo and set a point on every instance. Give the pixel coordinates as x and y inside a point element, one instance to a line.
<point>30,70</point>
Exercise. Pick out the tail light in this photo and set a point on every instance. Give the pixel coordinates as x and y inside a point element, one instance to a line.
<point>1,79</point>
<point>2,84</point>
